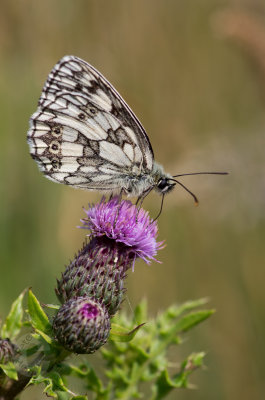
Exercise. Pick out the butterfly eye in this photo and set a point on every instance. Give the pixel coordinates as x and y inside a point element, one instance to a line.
<point>162,184</point>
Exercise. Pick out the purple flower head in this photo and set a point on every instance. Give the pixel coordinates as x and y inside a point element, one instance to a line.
<point>88,311</point>
<point>122,222</point>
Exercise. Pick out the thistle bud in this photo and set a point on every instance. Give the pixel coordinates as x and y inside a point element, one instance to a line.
<point>98,272</point>
<point>82,325</point>
<point>8,351</point>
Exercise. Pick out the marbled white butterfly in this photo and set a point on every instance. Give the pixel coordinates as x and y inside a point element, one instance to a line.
<point>83,134</point>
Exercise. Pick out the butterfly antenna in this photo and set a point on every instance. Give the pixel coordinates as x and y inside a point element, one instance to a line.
<point>202,173</point>
<point>187,190</point>
<point>195,173</point>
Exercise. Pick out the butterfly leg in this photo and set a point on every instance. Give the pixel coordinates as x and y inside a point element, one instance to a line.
<point>119,208</point>
<point>161,208</point>
<point>121,193</point>
<point>140,200</point>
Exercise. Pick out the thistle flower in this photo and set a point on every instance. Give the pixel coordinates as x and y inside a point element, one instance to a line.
<point>122,222</point>
<point>92,286</point>
<point>82,325</point>
<point>120,233</point>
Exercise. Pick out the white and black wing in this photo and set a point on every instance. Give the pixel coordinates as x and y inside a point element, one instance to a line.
<point>83,133</point>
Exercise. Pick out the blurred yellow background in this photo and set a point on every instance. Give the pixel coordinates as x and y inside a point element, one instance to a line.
<point>194,74</point>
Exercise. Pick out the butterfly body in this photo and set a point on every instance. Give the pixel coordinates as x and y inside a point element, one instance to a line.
<point>83,134</point>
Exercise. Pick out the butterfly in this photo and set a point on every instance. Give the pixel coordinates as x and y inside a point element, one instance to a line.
<point>83,134</point>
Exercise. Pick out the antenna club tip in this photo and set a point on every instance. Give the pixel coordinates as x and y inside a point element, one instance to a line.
<point>196,202</point>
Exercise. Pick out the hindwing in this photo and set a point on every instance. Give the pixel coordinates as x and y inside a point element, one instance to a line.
<point>83,133</point>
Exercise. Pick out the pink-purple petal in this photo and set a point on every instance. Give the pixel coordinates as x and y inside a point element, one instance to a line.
<point>124,223</point>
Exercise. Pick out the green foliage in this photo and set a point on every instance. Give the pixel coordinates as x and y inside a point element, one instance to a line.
<point>120,334</point>
<point>13,322</point>
<point>10,370</point>
<point>39,319</point>
<point>133,355</point>
<point>145,358</point>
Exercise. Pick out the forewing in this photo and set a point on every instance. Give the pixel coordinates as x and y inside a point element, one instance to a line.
<point>83,133</point>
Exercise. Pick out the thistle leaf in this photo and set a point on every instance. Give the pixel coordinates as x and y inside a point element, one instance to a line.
<point>13,322</point>
<point>10,370</point>
<point>165,383</point>
<point>120,335</point>
<point>38,317</point>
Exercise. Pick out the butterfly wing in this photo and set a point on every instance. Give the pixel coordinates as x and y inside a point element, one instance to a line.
<point>83,133</point>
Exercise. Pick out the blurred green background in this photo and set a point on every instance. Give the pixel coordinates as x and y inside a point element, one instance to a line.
<point>194,74</point>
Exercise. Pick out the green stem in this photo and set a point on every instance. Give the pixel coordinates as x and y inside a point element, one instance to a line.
<point>11,388</point>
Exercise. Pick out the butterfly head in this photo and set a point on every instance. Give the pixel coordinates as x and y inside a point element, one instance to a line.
<point>165,185</point>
